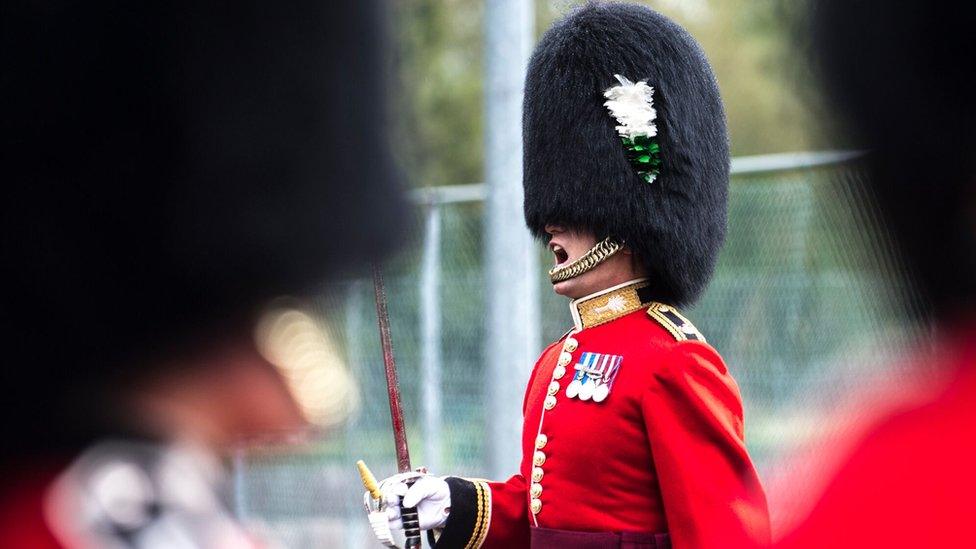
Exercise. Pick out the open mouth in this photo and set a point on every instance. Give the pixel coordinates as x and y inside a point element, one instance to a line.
<point>560,253</point>
<point>566,269</point>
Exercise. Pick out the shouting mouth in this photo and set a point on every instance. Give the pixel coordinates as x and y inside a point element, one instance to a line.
<point>561,256</point>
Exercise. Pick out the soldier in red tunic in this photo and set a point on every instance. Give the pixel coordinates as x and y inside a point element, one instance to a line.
<point>170,166</point>
<point>907,91</point>
<point>633,425</point>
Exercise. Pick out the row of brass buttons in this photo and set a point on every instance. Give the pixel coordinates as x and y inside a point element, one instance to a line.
<point>539,458</point>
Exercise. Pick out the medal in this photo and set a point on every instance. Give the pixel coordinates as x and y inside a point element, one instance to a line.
<point>586,388</point>
<point>579,377</point>
<point>573,388</point>
<point>601,392</point>
<point>594,377</point>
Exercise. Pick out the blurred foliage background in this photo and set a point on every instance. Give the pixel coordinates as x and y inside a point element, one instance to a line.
<point>762,69</point>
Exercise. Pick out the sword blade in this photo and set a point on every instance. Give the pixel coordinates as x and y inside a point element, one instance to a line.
<point>409,517</point>
<point>389,364</point>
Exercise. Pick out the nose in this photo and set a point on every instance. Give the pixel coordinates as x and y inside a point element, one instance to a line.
<point>553,230</point>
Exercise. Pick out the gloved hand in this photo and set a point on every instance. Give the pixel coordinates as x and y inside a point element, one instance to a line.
<point>429,494</point>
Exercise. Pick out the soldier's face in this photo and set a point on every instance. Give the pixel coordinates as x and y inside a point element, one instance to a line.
<point>568,245</point>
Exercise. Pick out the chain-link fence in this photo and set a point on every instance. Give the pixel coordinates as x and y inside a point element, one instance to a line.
<point>806,304</point>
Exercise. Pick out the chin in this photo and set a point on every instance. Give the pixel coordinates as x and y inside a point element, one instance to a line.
<point>562,288</point>
<point>569,288</point>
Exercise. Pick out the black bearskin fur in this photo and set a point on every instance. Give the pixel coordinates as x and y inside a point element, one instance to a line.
<point>576,171</point>
<point>171,165</point>
<point>909,102</point>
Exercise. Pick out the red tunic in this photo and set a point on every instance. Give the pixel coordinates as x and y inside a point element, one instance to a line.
<point>910,481</point>
<point>664,452</point>
<point>22,521</point>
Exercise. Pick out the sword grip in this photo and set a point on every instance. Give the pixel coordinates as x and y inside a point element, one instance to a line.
<point>411,525</point>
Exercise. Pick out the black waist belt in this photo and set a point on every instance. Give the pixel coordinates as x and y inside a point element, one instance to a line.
<point>549,538</point>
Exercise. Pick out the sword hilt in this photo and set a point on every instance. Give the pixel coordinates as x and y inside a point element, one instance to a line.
<point>411,524</point>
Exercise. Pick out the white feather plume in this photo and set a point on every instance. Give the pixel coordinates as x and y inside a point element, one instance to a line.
<point>632,105</point>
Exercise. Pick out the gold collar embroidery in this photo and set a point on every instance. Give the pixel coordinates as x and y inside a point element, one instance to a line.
<point>607,305</point>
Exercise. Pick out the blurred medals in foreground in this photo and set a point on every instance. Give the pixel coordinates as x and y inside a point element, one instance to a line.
<point>145,496</point>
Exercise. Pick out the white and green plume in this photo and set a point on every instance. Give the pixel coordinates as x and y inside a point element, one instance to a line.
<point>632,106</point>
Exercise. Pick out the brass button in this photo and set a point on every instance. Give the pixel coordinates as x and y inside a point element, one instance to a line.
<point>663,308</point>
<point>537,474</point>
<point>549,403</point>
<point>564,359</point>
<point>540,441</point>
<point>535,490</point>
<point>553,388</point>
<point>570,344</point>
<point>539,458</point>
<point>536,506</point>
<point>559,372</point>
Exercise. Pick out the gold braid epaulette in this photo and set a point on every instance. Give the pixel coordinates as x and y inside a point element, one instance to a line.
<point>674,322</point>
<point>483,520</point>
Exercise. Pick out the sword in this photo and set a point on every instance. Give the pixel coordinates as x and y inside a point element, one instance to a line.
<point>411,521</point>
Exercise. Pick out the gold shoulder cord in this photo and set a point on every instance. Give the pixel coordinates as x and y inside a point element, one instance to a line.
<point>596,255</point>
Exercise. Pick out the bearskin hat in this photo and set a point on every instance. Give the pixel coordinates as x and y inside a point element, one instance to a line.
<point>172,165</point>
<point>883,87</point>
<point>577,171</point>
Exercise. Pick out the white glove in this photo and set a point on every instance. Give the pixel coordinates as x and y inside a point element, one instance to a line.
<point>429,494</point>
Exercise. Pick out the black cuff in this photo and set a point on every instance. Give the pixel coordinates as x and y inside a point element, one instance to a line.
<point>468,520</point>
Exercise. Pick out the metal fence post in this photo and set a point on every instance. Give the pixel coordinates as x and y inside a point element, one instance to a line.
<point>430,321</point>
<point>512,335</point>
<point>239,465</point>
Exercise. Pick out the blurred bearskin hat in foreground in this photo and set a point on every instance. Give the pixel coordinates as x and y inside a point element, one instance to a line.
<point>666,198</point>
<point>906,95</point>
<point>171,165</point>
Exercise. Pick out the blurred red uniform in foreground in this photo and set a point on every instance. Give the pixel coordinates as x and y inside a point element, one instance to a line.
<point>909,482</point>
<point>899,76</point>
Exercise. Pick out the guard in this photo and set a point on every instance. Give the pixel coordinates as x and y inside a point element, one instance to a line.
<point>170,167</point>
<point>633,426</point>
